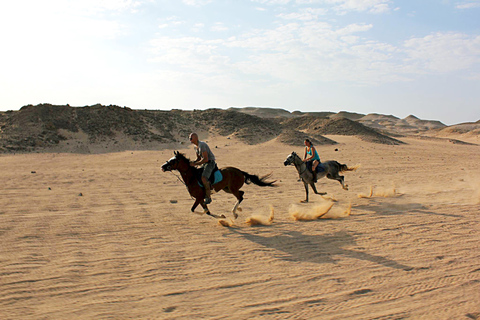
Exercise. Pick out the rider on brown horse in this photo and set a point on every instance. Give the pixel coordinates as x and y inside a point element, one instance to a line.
<point>206,159</point>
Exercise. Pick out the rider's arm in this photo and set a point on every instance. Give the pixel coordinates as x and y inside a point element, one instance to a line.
<point>194,163</point>
<point>313,154</point>
<point>305,155</point>
<point>202,159</point>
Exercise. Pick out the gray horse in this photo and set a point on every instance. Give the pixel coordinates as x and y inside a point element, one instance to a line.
<point>331,170</point>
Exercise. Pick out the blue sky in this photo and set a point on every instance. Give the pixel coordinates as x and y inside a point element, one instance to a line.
<point>365,56</point>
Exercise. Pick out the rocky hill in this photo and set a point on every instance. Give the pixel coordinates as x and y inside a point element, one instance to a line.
<point>98,128</point>
<point>385,123</point>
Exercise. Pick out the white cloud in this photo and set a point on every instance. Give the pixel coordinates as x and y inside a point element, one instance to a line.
<point>339,6</point>
<point>273,2</point>
<point>468,4</point>
<point>370,6</point>
<point>304,14</point>
<point>293,53</point>
<point>197,3</point>
<point>219,27</point>
<point>444,52</point>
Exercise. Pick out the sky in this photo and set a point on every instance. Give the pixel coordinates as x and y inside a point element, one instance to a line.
<point>419,57</point>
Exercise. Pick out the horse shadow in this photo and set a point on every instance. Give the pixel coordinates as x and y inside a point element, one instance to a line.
<point>295,246</point>
<point>384,208</point>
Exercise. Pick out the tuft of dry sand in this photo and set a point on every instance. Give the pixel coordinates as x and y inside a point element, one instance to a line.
<point>109,236</point>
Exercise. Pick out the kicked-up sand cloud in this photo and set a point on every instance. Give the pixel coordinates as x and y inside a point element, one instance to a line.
<point>380,192</point>
<point>311,213</point>
<point>253,220</point>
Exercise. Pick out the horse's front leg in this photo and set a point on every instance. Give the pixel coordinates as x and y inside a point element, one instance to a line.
<point>195,205</point>
<point>315,189</point>
<point>207,211</point>
<point>306,192</point>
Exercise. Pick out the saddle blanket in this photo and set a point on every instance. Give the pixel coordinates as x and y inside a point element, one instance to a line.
<point>217,177</point>
<point>320,167</point>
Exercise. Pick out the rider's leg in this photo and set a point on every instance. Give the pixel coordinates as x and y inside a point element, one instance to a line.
<point>314,170</point>
<point>207,171</point>
<point>206,184</point>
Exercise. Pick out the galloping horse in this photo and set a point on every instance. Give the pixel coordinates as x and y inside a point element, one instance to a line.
<point>331,170</point>
<point>233,180</point>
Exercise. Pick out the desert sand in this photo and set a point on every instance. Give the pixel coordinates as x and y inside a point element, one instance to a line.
<point>110,236</point>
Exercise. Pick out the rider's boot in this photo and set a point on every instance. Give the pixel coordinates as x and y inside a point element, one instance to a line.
<point>208,198</point>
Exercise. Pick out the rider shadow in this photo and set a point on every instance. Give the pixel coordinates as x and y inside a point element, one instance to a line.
<point>298,247</point>
<point>382,208</point>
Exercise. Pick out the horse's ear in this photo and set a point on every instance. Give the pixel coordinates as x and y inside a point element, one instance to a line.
<point>175,153</point>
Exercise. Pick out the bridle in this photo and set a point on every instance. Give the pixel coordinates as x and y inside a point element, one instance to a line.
<point>295,156</point>
<point>176,176</point>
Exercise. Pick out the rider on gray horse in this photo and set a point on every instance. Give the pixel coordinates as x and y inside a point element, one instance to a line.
<point>206,159</point>
<point>311,158</point>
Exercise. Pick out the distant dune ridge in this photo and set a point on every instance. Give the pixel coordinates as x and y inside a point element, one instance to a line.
<point>99,129</point>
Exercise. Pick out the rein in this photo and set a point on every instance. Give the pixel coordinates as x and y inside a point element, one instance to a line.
<point>178,178</point>
<point>300,173</point>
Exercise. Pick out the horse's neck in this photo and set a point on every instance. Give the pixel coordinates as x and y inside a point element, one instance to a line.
<point>187,175</point>
<point>300,165</point>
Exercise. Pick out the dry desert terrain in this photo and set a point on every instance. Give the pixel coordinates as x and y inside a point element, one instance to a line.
<point>111,236</point>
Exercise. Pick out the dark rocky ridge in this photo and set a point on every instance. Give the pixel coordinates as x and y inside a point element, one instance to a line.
<point>101,128</point>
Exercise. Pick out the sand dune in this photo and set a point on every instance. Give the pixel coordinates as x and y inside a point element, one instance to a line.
<point>109,236</point>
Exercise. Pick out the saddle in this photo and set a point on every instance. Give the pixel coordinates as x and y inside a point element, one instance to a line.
<point>215,176</point>
<point>319,168</point>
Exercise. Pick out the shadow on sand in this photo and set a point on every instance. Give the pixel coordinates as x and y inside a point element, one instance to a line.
<point>381,207</point>
<point>296,246</point>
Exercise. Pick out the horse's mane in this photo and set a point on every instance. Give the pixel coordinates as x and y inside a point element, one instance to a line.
<point>181,156</point>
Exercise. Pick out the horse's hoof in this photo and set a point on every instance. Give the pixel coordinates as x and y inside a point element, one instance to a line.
<point>235,215</point>
<point>303,201</point>
<point>239,209</point>
<point>222,217</point>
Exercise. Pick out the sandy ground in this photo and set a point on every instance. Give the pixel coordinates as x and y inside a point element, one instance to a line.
<point>112,237</point>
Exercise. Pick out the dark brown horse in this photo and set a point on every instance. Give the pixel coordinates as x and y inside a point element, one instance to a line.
<point>233,180</point>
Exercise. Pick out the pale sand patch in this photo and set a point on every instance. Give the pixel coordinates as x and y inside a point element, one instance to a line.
<point>123,250</point>
<point>257,219</point>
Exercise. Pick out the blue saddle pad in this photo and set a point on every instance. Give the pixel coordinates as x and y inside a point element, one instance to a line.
<point>217,177</point>
<point>320,168</point>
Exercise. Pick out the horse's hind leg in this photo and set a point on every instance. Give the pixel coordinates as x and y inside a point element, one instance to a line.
<point>315,189</point>
<point>239,195</point>
<point>340,179</point>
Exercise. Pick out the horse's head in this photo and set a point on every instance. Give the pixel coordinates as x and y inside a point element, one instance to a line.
<point>290,159</point>
<point>175,162</point>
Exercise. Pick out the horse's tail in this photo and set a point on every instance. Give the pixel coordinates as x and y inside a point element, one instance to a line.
<point>259,181</point>
<point>344,167</point>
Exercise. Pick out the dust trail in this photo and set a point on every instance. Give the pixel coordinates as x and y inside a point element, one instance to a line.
<point>380,192</point>
<point>354,168</point>
<point>300,213</point>
<point>386,193</point>
<point>329,198</point>
<point>337,213</point>
<point>225,223</point>
<point>476,196</point>
<point>369,195</point>
<point>261,220</point>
